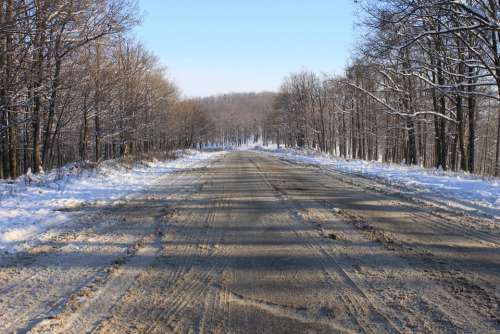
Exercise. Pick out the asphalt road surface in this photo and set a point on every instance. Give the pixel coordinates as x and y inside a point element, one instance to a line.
<point>253,244</point>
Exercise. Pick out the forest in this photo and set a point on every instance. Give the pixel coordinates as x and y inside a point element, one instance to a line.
<point>422,88</point>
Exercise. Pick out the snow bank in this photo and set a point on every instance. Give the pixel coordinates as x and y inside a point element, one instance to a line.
<point>30,204</point>
<point>461,190</point>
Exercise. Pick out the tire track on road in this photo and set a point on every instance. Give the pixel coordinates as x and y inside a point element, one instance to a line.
<point>358,311</point>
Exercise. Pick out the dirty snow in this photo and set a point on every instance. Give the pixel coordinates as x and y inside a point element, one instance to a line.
<point>463,191</point>
<point>31,204</point>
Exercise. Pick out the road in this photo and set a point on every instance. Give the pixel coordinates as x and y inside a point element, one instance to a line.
<point>253,244</point>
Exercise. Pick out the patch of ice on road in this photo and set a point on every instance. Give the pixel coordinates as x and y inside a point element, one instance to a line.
<point>461,190</point>
<point>30,204</point>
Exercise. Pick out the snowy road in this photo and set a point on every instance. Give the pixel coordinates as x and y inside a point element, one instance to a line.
<point>253,244</point>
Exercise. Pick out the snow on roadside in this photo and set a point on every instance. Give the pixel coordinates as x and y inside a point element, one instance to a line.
<point>461,190</point>
<point>30,204</point>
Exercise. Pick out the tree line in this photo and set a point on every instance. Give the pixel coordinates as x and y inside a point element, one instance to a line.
<point>423,88</point>
<point>75,86</point>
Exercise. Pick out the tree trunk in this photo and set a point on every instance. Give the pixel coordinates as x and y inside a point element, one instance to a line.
<point>471,113</point>
<point>460,133</point>
<point>11,113</point>
<point>51,112</point>
<point>38,70</point>
<point>97,99</point>
<point>84,136</point>
<point>411,148</point>
<point>497,152</point>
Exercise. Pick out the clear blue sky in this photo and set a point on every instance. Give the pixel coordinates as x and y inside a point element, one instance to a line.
<point>219,46</point>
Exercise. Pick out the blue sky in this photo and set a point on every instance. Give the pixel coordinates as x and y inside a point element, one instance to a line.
<point>219,46</point>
